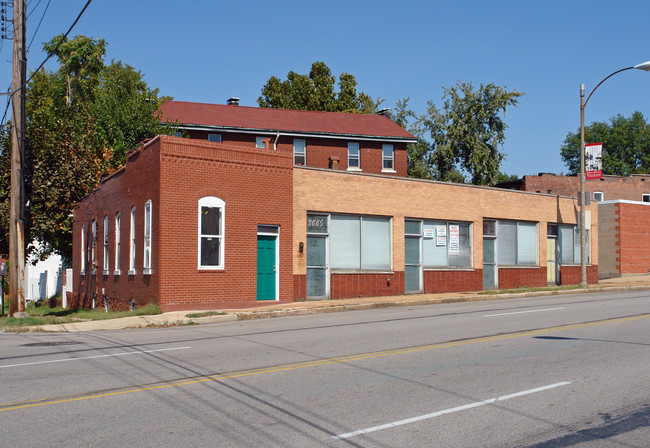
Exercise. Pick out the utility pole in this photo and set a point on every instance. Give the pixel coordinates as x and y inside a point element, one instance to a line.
<point>17,213</point>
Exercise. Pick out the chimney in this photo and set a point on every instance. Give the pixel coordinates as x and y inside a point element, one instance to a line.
<point>334,163</point>
<point>233,101</point>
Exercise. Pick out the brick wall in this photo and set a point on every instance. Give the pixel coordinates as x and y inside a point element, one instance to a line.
<point>631,188</point>
<point>320,150</point>
<point>633,238</point>
<point>339,192</point>
<point>133,185</point>
<point>174,173</point>
<point>257,189</point>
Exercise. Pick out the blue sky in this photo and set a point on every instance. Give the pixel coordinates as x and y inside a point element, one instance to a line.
<point>208,51</point>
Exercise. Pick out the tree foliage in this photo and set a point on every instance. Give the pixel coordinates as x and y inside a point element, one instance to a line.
<point>626,145</point>
<point>464,136</point>
<point>81,119</point>
<point>316,91</point>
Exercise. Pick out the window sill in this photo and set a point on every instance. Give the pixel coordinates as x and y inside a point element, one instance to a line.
<point>146,271</point>
<point>106,272</point>
<point>448,268</point>
<point>132,272</point>
<point>210,268</point>
<point>362,271</point>
<point>358,170</point>
<point>117,272</point>
<point>517,266</point>
<point>388,171</point>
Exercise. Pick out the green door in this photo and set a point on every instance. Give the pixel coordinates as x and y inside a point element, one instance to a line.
<point>266,269</point>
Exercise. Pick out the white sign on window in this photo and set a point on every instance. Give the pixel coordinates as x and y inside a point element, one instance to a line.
<point>441,230</point>
<point>454,239</point>
<point>441,241</point>
<point>428,233</point>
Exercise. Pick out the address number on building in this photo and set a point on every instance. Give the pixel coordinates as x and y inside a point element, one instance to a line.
<point>316,224</point>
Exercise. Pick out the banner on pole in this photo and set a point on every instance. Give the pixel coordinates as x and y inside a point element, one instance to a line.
<point>593,161</point>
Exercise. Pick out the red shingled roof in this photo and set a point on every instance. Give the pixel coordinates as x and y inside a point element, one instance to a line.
<point>268,119</point>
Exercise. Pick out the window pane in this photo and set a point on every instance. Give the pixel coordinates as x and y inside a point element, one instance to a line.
<point>345,242</point>
<point>375,243</point>
<point>388,153</point>
<point>527,243</point>
<point>210,221</point>
<point>464,251</point>
<point>566,244</point>
<point>506,242</point>
<point>412,251</point>
<point>315,251</point>
<point>210,251</point>
<point>434,250</point>
<point>353,155</point>
<point>412,227</point>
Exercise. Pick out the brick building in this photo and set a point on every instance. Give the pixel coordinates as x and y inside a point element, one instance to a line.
<point>359,143</point>
<point>624,241</point>
<point>635,187</point>
<point>190,223</point>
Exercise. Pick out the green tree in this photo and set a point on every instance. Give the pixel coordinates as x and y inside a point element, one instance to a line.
<point>316,91</point>
<point>81,119</point>
<point>626,145</point>
<point>465,136</point>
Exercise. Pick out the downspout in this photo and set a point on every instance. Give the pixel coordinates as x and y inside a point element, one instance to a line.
<point>275,143</point>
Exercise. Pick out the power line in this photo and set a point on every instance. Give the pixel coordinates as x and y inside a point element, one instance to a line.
<point>39,23</point>
<point>11,94</point>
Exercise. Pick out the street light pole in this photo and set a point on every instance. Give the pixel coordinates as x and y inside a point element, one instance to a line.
<point>583,103</point>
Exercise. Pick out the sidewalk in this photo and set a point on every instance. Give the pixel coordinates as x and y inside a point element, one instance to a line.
<point>175,318</point>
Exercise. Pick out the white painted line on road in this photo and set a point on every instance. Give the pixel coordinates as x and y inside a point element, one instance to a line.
<point>139,352</point>
<point>522,312</point>
<point>449,411</point>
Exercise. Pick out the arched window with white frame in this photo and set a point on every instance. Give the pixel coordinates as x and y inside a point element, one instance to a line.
<point>211,232</point>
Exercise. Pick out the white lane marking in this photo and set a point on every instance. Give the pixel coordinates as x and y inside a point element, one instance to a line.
<point>139,352</point>
<point>449,411</point>
<point>522,312</point>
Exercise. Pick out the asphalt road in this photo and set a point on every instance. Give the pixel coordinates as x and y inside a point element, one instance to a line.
<point>560,371</point>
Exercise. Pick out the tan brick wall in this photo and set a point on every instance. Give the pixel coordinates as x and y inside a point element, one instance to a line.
<point>334,192</point>
<point>608,252</point>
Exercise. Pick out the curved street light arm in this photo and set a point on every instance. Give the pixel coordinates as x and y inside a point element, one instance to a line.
<point>617,71</point>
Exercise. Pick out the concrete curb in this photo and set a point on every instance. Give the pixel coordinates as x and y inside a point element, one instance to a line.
<point>329,306</point>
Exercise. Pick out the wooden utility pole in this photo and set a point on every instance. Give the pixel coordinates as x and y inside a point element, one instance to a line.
<point>17,213</point>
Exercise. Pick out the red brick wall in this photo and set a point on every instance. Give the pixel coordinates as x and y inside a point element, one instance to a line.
<point>452,281</point>
<point>133,185</point>
<point>570,275</point>
<point>344,286</point>
<point>320,150</point>
<point>256,186</point>
<point>633,238</point>
<point>512,278</point>
<point>630,188</point>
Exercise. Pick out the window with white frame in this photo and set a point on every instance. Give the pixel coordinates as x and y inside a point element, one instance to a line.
<point>645,198</point>
<point>93,245</point>
<point>353,156</point>
<point>132,243</point>
<point>299,151</point>
<point>446,244</point>
<point>106,255</point>
<point>146,266</point>
<point>388,157</point>
<point>517,243</point>
<point>599,196</point>
<point>82,268</point>
<point>360,243</point>
<point>117,243</point>
<point>211,232</point>
<point>214,138</point>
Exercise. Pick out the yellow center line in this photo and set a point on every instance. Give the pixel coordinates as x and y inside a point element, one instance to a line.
<point>315,363</point>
